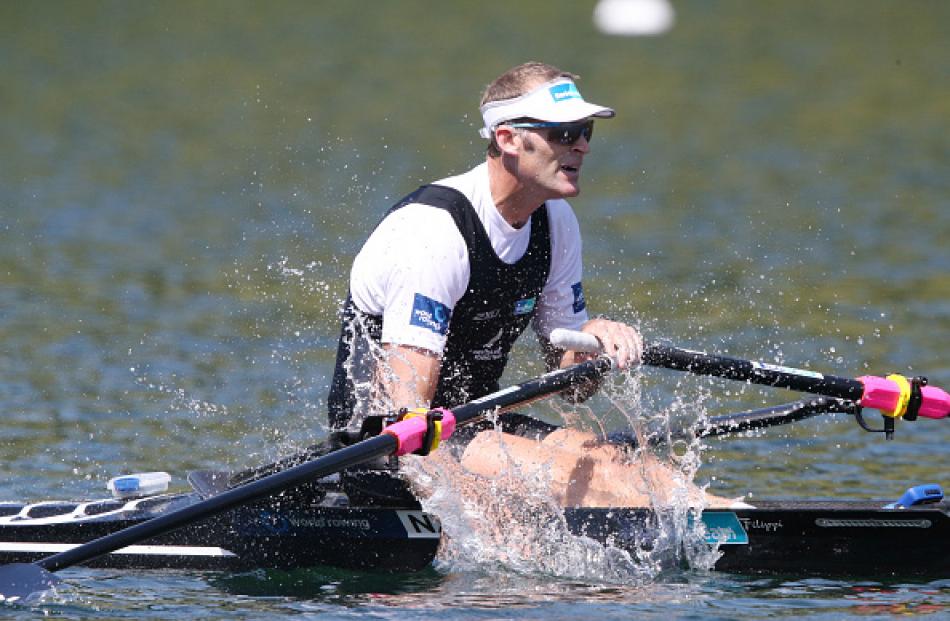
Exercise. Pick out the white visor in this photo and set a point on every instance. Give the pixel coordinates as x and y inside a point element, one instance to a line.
<point>557,101</point>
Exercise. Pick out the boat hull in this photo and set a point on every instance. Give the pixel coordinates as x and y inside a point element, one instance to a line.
<point>325,528</point>
<point>855,538</point>
<point>270,534</point>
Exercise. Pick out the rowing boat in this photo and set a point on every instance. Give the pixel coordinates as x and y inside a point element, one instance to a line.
<point>366,518</point>
<point>347,506</point>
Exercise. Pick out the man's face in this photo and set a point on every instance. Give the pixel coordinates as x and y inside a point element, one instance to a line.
<point>554,168</point>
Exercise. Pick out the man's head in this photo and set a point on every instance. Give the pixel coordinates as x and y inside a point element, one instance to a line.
<point>535,92</point>
<point>539,127</point>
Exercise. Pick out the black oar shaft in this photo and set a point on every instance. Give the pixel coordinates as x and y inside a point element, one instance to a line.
<point>362,452</point>
<point>531,390</point>
<point>378,446</point>
<point>701,363</point>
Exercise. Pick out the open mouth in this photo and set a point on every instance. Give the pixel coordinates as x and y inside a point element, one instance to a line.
<point>570,169</point>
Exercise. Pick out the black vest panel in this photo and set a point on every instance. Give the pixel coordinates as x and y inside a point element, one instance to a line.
<point>495,309</point>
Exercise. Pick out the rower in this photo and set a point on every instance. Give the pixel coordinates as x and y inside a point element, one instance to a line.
<point>457,270</point>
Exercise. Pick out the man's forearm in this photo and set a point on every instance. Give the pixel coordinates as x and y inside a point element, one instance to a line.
<point>409,376</point>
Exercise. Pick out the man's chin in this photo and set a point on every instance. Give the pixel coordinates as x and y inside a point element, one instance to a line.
<point>568,187</point>
<point>571,190</point>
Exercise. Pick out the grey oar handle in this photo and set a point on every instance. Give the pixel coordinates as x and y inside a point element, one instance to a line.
<point>576,341</point>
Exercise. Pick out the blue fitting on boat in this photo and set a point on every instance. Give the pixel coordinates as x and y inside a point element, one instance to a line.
<point>918,495</point>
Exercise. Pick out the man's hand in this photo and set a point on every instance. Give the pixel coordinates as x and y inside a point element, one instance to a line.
<point>621,342</point>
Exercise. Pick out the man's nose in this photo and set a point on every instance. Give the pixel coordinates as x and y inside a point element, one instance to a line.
<point>582,145</point>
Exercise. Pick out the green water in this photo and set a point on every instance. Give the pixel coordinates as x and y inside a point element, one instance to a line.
<point>183,186</point>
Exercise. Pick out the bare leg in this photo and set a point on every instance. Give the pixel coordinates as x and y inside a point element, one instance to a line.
<point>582,471</point>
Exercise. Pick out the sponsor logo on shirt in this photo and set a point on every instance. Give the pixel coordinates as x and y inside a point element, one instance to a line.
<point>525,306</point>
<point>579,302</point>
<point>430,314</point>
<point>485,316</point>
<point>490,350</point>
<point>561,92</point>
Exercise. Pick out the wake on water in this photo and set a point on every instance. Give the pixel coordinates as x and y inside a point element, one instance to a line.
<point>513,523</point>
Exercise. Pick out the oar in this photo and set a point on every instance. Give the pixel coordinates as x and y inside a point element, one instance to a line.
<point>895,396</point>
<point>22,580</point>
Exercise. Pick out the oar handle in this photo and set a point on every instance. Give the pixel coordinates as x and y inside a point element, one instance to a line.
<point>894,395</point>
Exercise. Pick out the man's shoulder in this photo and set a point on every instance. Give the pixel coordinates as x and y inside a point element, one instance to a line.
<point>560,208</point>
<point>468,183</point>
<point>561,214</point>
<point>416,218</point>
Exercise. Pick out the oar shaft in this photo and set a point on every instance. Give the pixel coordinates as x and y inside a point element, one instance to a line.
<point>701,363</point>
<point>895,396</point>
<point>532,390</point>
<point>410,432</point>
<point>890,395</point>
<point>378,446</point>
<point>394,440</point>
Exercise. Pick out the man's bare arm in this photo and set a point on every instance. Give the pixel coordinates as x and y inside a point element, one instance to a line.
<point>410,375</point>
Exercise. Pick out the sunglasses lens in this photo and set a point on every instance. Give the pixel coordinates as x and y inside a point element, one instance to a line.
<point>569,134</point>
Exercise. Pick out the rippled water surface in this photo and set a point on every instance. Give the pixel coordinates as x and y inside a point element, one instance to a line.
<point>183,186</point>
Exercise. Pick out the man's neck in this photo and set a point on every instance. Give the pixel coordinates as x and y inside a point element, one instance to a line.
<point>514,200</point>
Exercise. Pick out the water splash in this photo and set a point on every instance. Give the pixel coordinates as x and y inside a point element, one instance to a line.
<point>510,523</point>
<point>664,435</point>
<point>513,522</point>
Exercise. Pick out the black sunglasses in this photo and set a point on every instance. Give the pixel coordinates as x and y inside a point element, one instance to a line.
<point>561,133</point>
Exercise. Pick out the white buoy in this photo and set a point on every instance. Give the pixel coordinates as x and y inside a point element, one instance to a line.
<point>633,18</point>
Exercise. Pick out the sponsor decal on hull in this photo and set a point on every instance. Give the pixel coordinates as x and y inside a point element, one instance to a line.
<point>420,525</point>
<point>723,528</point>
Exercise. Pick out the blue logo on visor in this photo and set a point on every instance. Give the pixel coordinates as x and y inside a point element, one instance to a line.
<point>561,92</point>
<point>429,314</point>
<point>525,306</point>
<point>579,302</point>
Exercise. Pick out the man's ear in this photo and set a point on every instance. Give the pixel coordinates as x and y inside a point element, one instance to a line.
<point>508,140</point>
